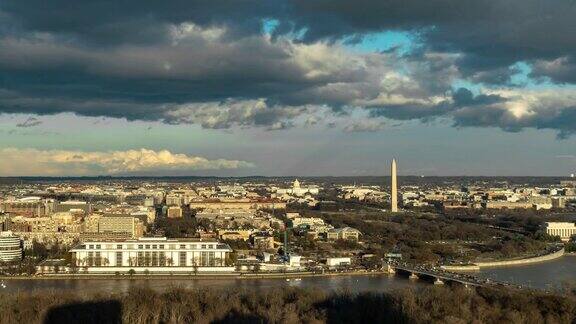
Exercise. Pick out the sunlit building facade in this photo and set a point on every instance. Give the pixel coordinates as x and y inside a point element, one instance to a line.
<point>10,247</point>
<point>152,255</point>
<point>565,230</point>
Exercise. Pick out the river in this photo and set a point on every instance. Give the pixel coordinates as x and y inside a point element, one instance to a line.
<point>552,274</point>
<point>354,284</point>
<point>548,275</point>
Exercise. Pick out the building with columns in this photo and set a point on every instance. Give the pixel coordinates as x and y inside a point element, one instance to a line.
<point>563,229</point>
<point>298,190</point>
<point>152,255</point>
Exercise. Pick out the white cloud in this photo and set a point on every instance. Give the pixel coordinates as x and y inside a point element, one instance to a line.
<point>16,161</point>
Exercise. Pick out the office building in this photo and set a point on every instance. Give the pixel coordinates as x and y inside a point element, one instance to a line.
<point>10,247</point>
<point>121,224</point>
<point>73,206</point>
<point>345,233</point>
<point>244,204</point>
<point>174,212</point>
<point>28,206</point>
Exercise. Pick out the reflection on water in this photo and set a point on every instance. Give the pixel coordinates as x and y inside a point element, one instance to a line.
<point>372,283</point>
<point>553,274</point>
<point>549,275</point>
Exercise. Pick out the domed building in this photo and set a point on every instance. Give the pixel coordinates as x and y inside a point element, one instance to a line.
<point>298,190</point>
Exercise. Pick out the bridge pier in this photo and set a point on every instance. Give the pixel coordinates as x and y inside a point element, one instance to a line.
<point>439,277</point>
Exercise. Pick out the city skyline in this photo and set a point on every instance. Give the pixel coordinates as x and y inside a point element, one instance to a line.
<point>288,161</point>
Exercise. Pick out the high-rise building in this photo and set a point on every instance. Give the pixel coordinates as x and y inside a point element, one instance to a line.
<point>394,186</point>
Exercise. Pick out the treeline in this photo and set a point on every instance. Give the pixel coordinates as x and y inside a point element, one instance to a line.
<point>292,305</point>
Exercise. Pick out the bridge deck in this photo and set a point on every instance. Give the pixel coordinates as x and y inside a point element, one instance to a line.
<point>451,276</point>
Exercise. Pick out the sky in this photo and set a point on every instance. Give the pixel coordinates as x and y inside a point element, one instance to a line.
<point>287,87</point>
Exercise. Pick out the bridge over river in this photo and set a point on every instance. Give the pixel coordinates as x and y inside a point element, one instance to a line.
<point>440,276</point>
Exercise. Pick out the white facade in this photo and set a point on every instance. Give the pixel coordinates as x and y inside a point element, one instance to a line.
<point>298,190</point>
<point>10,247</point>
<point>153,255</point>
<point>334,262</point>
<point>563,229</point>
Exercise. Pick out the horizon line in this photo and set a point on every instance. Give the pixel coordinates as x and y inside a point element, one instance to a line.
<point>284,176</point>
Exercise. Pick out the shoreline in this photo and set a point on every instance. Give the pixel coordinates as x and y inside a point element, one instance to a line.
<point>232,276</point>
<point>288,275</point>
<point>509,263</point>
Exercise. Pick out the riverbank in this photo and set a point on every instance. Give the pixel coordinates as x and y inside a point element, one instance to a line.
<point>227,276</point>
<point>507,263</point>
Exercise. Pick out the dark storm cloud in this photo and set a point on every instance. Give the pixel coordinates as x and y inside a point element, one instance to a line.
<point>464,97</point>
<point>510,110</point>
<point>131,21</point>
<point>561,70</point>
<point>209,62</point>
<point>411,111</point>
<point>561,120</point>
<point>554,110</point>
<point>199,73</point>
<point>492,35</point>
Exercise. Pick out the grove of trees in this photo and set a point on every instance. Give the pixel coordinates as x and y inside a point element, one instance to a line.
<point>292,305</point>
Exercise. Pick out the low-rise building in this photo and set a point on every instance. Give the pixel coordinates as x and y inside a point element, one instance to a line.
<point>345,233</point>
<point>234,235</point>
<point>152,255</point>
<point>563,229</point>
<point>52,266</point>
<point>338,262</point>
<point>121,224</point>
<point>263,241</point>
<point>244,204</point>
<point>558,202</point>
<point>28,206</point>
<point>174,212</point>
<point>509,204</point>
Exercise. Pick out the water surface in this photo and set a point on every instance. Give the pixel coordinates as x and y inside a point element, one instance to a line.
<point>554,274</point>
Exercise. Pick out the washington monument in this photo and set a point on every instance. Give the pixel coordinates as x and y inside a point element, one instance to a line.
<point>394,186</point>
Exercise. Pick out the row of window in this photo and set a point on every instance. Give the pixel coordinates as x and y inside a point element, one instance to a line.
<point>10,248</point>
<point>151,246</point>
<point>153,259</point>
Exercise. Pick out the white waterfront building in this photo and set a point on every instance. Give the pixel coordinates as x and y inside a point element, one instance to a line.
<point>152,255</point>
<point>10,247</point>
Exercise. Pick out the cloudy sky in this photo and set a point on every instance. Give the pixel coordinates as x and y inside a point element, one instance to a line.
<point>287,87</point>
